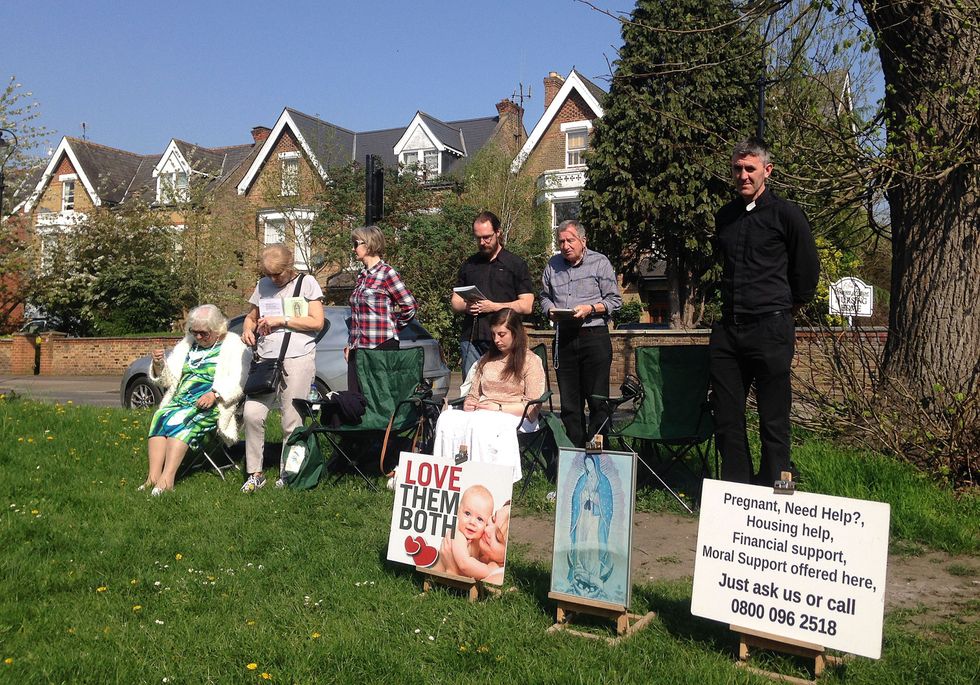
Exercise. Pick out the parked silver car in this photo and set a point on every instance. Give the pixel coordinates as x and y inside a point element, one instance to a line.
<point>136,390</point>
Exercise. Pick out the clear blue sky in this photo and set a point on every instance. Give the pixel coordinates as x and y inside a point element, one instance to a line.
<point>139,73</point>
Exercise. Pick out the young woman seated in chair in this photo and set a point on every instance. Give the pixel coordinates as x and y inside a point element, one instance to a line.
<point>507,377</point>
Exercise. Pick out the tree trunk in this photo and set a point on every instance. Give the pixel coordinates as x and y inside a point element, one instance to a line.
<point>929,54</point>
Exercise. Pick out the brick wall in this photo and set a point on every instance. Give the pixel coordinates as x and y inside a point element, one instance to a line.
<point>816,353</point>
<point>62,356</point>
<point>6,350</point>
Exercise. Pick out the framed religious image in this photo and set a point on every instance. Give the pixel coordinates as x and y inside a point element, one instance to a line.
<point>594,525</point>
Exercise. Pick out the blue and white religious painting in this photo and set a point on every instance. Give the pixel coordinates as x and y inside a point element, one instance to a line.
<point>593,525</point>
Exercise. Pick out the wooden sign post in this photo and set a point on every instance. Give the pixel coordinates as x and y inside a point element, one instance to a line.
<point>626,623</point>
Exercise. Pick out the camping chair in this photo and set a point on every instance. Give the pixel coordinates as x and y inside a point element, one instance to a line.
<point>673,418</point>
<point>538,449</point>
<point>397,403</point>
<point>212,452</point>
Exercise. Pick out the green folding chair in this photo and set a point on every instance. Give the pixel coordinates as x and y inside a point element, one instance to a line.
<point>396,405</point>
<point>673,420</point>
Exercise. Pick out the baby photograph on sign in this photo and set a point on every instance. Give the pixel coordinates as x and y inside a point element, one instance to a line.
<point>451,518</point>
<point>593,525</point>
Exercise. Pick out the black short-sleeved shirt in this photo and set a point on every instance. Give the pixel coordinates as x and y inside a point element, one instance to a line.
<point>501,279</point>
<point>769,259</point>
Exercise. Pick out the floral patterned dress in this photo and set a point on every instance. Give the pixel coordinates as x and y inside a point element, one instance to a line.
<point>180,418</point>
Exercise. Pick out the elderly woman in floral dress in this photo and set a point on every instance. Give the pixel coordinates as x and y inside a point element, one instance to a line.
<point>203,378</point>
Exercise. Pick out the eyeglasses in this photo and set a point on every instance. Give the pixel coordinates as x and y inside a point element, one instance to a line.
<point>201,334</point>
<point>356,243</point>
<point>485,238</point>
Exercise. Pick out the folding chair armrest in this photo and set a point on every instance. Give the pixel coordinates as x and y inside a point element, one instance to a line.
<point>456,403</point>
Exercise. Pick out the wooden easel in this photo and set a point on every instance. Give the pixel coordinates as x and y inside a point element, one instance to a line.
<point>474,589</point>
<point>626,623</point>
<point>749,638</point>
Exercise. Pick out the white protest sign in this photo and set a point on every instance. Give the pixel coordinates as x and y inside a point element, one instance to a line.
<point>452,518</point>
<point>802,566</point>
<point>851,296</point>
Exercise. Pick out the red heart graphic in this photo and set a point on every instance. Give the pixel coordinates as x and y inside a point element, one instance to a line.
<point>427,556</point>
<point>412,546</point>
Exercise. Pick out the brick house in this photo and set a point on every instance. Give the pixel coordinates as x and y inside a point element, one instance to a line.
<point>290,165</point>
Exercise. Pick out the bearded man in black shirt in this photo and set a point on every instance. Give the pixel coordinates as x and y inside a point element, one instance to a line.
<point>769,271</point>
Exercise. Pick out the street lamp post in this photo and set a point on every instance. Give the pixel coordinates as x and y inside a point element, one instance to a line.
<point>6,150</point>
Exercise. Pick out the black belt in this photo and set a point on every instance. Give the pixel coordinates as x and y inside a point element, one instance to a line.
<point>739,319</point>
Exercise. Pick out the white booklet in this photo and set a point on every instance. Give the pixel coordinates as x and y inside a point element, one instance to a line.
<point>470,293</point>
<point>270,306</point>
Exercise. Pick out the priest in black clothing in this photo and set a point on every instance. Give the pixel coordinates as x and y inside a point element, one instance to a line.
<point>501,276</point>
<point>769,271</point>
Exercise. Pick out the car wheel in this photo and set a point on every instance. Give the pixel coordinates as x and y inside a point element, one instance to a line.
<point>141,393</point>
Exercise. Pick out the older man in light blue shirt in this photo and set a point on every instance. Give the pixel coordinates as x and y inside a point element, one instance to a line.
<point>580,293</point>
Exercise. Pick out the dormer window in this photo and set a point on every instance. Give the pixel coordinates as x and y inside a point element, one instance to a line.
<point>425,162</point>
<point>67,194</point>
<point>173,187</point>
<point>290,173</point>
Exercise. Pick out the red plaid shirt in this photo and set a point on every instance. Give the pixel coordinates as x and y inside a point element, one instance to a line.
<point>373,317</point>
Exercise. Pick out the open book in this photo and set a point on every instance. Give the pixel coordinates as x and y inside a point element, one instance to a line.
<point>470,293</point>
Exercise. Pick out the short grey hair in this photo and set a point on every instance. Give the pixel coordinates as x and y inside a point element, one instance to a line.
<point>754,147</point>
<point>574,225</point>
<point>207,316</point>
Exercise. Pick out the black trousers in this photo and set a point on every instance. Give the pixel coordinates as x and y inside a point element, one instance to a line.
<point>759,351</point>
<point>584,356</point>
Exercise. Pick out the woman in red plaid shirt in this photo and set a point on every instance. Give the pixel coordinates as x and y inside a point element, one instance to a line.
<point>380,305</point>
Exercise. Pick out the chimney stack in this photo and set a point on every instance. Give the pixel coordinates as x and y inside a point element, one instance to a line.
<point>506,106</point>
<point>552,84</point>
<point>260,134</point>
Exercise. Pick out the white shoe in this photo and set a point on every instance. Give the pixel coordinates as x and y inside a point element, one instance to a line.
<point>391,485</point>
<point>156,492</point>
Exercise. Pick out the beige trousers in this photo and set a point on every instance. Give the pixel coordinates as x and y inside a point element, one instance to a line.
<point>299,373</point>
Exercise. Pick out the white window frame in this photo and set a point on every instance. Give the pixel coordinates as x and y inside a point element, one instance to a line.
<point>289,182</point>
<point>68,192</point>
<point>578,153</point>
<point>170,190</point>
<point>274,228</point>
<point>416,158</point>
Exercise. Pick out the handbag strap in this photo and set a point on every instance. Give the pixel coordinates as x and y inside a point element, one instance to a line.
<point>285,338</point>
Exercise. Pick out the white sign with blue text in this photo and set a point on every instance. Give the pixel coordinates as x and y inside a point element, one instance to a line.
<point>801,566</point>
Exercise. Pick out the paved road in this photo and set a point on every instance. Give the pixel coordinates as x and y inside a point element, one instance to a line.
<point>102,391</point>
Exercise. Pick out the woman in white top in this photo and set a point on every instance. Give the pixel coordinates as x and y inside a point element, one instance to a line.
<point>266,334</point>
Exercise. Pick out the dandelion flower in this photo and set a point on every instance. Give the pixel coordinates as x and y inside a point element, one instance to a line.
<point>178,556</point>
<point>137,607</point>
<point>266,676</point>
<point>101,588</point>
<point>252,666</point>
<point>315,636</point>
<point>8,661</point>
<point>250,622</point>
<point>133,581</point>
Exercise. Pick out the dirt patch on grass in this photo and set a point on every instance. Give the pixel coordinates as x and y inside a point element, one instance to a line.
<point>934,586</point>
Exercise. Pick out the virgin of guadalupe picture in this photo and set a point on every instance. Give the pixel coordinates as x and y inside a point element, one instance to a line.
<point>593,523</point>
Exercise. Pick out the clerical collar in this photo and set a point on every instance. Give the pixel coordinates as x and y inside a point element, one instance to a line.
<point>749,207</point>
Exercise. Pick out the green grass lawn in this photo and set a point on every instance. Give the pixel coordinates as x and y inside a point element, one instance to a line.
<point>101,583</point>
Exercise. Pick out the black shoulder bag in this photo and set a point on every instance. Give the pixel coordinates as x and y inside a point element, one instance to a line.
<point>265,375</point>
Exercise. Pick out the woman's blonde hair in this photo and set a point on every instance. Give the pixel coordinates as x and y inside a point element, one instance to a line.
<point>275,259</point>
<point>374,240</point>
